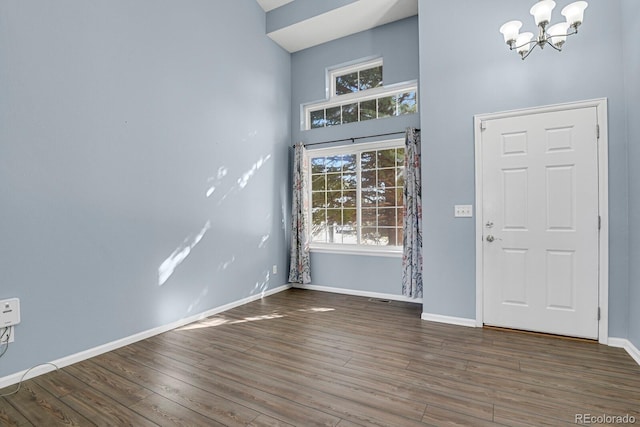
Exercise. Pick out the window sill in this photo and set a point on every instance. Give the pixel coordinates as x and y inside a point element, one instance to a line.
<point>359,250</point>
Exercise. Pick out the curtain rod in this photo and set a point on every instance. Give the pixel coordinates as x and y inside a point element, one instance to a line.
<point>353,139</point>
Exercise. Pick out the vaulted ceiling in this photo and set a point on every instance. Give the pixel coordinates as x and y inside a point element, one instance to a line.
<point>299,24</point>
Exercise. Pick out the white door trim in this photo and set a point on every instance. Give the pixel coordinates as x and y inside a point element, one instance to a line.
<point>603,202</point>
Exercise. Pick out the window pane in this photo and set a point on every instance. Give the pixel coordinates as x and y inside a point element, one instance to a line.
<point>400,215</point>
<point>369,217</point>
<point>318,183</point>
<point>387,236</point>
<point>407,103</point>
<point>349,181</point>
<point>368,160</point>
<point>318,199</point>
<point>387,217</point>
<point>387,158</point>
<point>368,179</point>
<point>350,113</point>
<point>370,78</point>
<point>317,119</point>
<point>334,216</point>
<point>387,197</point>
<point>400,157</point>
<point>333,116</point>
<point>399,197</point>
<point>349,162</point>
<point>349,199</point>
<point>368,110</point>
<point>386,106</point>
<point>334,181</point>
<point>369,197</point>
<point>333,164</point>
<point>400,177</point>
<point>386,178</point>
<point>370,236</point>
<point>317,165</point>
<point>334,199</point>
<point>318,226</point>
<point>347,83</point>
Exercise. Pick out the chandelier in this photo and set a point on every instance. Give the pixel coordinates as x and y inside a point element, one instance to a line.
<point>554,36</point>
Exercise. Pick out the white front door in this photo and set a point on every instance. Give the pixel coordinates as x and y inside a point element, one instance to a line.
<point>540,222</point>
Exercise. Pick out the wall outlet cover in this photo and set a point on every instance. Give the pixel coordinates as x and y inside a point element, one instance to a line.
<point>9,312</point>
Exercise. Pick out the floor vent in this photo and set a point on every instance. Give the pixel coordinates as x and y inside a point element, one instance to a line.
<point>386,301</point>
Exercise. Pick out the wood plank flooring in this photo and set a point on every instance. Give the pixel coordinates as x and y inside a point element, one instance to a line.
<point>306,358</point>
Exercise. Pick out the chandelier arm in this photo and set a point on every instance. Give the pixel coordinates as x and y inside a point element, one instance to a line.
<point>552,45</point>
<point>575,31</point>
<point>524,44</point>
<point>529,52</point>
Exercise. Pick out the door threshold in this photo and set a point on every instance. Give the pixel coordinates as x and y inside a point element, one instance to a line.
<point>540,334</point>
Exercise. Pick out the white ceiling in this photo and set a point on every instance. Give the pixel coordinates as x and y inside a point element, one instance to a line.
<point>358,16</point>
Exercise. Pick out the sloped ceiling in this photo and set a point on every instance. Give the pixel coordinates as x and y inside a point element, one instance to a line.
<point>268,5</point>
<point>360,15</point>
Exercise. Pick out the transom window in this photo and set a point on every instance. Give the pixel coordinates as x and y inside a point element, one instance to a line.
<point>357,93</point>
<point>351,80</point>
<point>357,197</point>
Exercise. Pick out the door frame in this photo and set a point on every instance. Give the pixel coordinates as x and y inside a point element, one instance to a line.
<point>600,105</point>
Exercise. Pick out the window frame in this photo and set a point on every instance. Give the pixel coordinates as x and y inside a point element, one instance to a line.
<point>333,100</point>
<point>349,248</point>
<point>358,97</point>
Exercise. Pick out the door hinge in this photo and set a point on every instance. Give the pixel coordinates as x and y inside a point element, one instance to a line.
<point>599,222</point>
<point>483,125</point>
<point>597,131</point>
<point>598,313</point>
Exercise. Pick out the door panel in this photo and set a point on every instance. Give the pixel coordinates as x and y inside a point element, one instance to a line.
<point>540,217</point>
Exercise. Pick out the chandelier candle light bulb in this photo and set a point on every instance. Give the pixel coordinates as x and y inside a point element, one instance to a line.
<point>555,35</point>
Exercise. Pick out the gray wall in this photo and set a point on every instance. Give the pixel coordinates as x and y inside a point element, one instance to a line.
<point>116,120</point>
<point>631,35</point>
<point>470,71</point>
<point>397,43</point>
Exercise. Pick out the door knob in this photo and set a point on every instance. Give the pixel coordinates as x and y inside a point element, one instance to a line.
<point>490,238</point>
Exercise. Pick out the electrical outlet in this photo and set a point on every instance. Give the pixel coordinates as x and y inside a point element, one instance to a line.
<point>463,211</point>
<point>275,269</point>
<point>9,312</point>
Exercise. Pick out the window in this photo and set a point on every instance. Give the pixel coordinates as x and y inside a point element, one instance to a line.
<point>352,81</point>
<point>356,197</point>
<point>357,94</point>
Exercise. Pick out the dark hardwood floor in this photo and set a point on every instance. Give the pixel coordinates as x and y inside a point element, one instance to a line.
<point>308,358</point>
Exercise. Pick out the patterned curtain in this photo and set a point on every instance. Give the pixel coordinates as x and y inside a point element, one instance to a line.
<point>299,267</point>
<point>412,221</point>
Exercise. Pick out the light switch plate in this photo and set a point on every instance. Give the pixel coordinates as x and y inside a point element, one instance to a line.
<point>463,211</point>
<point>9,312</point>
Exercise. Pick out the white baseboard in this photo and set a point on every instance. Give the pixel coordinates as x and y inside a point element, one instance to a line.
<point>460,321</point>
<point>627,345</point>
<point>358,293</point>
<point>95,351</point>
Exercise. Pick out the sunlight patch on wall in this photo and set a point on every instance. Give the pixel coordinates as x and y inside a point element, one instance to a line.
<point>261,287</point>
<point>245,177</point>
<point>215,180</point>
<point>263,241</point>
<point>194,304</point>
<point>181,253</point>
<point>224,265</point>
